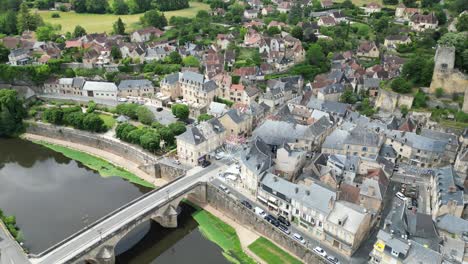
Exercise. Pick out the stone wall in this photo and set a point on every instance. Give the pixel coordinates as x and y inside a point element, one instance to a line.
<point>239,213</point>
<point>445,75</point>
<point>390,101</point>
<point>147,162</point>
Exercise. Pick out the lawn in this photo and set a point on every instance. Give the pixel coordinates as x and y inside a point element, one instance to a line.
<point>103,22</point>
<point>223,235</point>
<point>105,168</point>
<point>271,253</point>
<point>362,2</point>
<point>109,121</point>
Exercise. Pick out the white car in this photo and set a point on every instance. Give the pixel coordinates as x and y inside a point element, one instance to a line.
<point>299,238</point>
<point>260,212</point>
<point>123,100</point>
<point>219,155</point>
<point>320,251</point>
<point>333,260</point>
<point>401,196</point>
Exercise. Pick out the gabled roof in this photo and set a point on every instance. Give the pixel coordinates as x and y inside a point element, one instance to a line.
<point>135,84</point>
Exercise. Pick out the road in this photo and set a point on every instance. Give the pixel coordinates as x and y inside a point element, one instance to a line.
<point>10,251</point>
<point>110,225</point>
<point>311,242</point>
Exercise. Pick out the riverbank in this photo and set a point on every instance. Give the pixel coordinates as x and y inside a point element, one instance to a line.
<point>99,160</point>
<point>271,253</point>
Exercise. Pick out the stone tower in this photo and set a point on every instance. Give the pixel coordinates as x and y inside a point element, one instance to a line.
<point>445,75</point>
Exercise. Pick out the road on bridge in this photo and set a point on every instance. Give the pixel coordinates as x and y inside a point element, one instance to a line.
<point>93,235</point>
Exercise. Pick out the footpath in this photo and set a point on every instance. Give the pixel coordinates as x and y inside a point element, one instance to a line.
<point>110,157</point>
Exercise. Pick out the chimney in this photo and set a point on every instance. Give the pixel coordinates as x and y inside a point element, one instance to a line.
<point>307,192</point>
<point>331,202</point>
<point>296,189</point>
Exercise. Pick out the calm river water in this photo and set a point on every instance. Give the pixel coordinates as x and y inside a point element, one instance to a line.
<point>53,196</point>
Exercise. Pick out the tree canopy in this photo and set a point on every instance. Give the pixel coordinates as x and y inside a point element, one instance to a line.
<point>12,113</point>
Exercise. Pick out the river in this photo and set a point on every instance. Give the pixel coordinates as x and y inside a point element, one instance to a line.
<point>53,196</point>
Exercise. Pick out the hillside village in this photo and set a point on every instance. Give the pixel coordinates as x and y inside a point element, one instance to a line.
<point>349,121</point>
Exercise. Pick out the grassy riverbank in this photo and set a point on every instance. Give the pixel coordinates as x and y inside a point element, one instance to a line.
<point>271,253</point>
<point>105,168</point>
<point>223,235</point>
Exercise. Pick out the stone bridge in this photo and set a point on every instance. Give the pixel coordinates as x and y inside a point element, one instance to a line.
<point>96,243</point>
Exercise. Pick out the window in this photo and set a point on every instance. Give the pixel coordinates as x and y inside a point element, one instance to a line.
<point>394,253</point>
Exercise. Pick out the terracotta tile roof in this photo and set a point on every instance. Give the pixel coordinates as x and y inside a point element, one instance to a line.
<point>349,193</point>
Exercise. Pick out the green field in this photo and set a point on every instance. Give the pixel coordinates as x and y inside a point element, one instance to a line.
<point>223,235</point>
<point>105,168</point>
<point>271,253</point>
<point>97,23</point>
<point>108,120</point>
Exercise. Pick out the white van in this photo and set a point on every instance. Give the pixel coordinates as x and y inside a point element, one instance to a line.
<point>260,212</point>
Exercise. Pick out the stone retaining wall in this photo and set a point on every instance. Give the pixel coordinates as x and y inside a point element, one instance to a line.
<point>239,213</point>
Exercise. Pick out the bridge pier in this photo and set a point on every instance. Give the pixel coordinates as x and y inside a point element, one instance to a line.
<point>168,218</point>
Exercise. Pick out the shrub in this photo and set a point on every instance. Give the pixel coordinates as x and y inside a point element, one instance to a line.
<point>55,15</point>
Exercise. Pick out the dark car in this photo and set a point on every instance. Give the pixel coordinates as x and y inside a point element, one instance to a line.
<point>205,164</point>
<point>284,229</point>
<point>414,202</point>
<point>272,220</point>
<point>159,109</point>
<point>283,220</point>
<point>247,204</point>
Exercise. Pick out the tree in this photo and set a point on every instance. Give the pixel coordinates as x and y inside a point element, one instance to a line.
<point>116,54</point>
<point>462,23</point>
<point>4,52</point>
<point>297,32</point>
<point>181,111</point>
<point>145,115</point>
<point>190,61</point>
<point>167,135</point>
<point>419,70</point>
<point>409,3</point>
<point>150,140</point>
<point>97,6</point>
<point>74,119</point>
<point>26,20</point>
<point>404,110</point>
<point>420,100</point>
<point>175,58</point>
<point>271,31</point>
<point>53,115</point>
<point>135,135</point>
<point>12,113</point>
<point>79,31</point>
<point>348,97</point>
<point>177,128</point>
<point>119,27</point>
<point>129,110</point>
<point>154,18</point>
<point>204,117</point>
<point>400,85</point>
<point>8,23</point>
<point>309,35</point>
<point>45,33</point>
<point>119,7</point>
<point>92,122</point>
<point>295,14</point>
<point>315,55</point>
<point>122,130</point>
<point>439,92</point>
<point>91,107</point>
<point>79,6</point>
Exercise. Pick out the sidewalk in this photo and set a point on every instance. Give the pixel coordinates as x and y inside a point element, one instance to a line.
<point>110,157</point>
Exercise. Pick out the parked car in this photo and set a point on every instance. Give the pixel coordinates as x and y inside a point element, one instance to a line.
<point>299,238</point>
<point>247,204</point>
<point>333,260</point>
<point>224,188</point>
<point>219,155</point>
<point>401,196</point>
<point>159,109</point>
<point>272,220</point>
<point>283,220</point>
<point>260,212</point>
<point>122,100</point>
<point>284,229</point>
<point>176,162</point>
<point>205,164</point>
<point>320,251</point>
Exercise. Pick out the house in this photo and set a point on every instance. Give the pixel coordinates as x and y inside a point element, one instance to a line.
<point>326,3</point>
<point>289,162</point>
<point>70,86</point>
<point>195,144</point>
<point>217,109</point>
<point>170,86</point>
<point>250,14</point>
<point>267,10</point>
<point>420,22</point>
<point>447,196</point>
<point>252,39</point>
<point>331,92</point>
<point>372,8</point>
<point>310,205</point>
<point>100,90</point>
<point>392,41</point>
<point>146,34</point>
<point>237,123</point>
<point>19,56</point>
<point>326,21</point>
<point>339,16</point>
<point>280,25</point>
<point>242,94</point>
<point>136,88</point>
<point>255,160</point>
<point>406,13</point>
<point>247,74</point>
<point>223,40</point>
<point>372,192</point>
<point>284,7</point>
<point>368,49</point>
<point>359,141</point>
<point>346,226</point>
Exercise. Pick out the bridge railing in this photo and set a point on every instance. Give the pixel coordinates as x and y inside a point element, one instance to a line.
<point>102,219</point>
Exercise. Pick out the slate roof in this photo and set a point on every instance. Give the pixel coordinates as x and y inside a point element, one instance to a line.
<point>193,76</point>
<point>328,106</point>
<point>201,133</point>
<point>446,181</point>
<point>135,84</point>
<point>452,224</point>
<point>100,86</point>
<point>258,157</point>
<point>209,86</point>
<point>172,78</point>
<point>351,214</point>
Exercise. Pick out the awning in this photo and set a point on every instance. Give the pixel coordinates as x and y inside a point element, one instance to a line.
<point>262,199</point>
<point>273,206</point>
